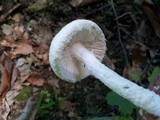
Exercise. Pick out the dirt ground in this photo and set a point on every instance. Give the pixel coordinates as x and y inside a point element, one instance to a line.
<point>30,90</point>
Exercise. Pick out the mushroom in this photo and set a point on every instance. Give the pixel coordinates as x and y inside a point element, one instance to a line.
<point>77,51</point>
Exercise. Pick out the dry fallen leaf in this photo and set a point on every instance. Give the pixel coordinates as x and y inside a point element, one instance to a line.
<point>8,64</point>
<point>36,81</point>
<point>8,42</point>
<point>5,81</point>
<point>18,32</point>
<point>10,96</point>
<point>14,76</point>
<point>23,47</point>
<point>39,5</point>
<point>152,14</point>
<point>4,110</point>
<point>67,106</point>
<point>23,68</point>
<point>54,82</point>
<point>7,29</point>
<point>77,3</point>
<point>42,54</point>
<point>17,17</point>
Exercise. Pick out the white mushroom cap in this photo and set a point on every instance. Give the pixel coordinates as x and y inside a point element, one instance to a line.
<point>63,63</point>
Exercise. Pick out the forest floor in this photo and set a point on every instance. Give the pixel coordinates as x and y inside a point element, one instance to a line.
<point>30,90</point>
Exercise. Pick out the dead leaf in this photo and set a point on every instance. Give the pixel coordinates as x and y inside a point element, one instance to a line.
<point>36,81</point>
<point>5,81</point>
<point>155,85</point>
<point>17,17</point>
<point>5,43</point>
<point>152,13</point>
<point>133,72</point>
<point>18,32</point>
<point>138,53</point>
<point>42,54</point>
<point>23,68</point>
<point>4,110</point>
<point>10,96</point>
<point>8,65</point>
<point>148,116</point>
<point>77,3</point>
<point>54,82</point>
<point>3,17</point>
<point>67,106</point>
<point>39,5</point>
<point>14,76</point>
<point>23,47</point>
<point>7,29</point>
<point>9,38</point>
<point>108,62</point>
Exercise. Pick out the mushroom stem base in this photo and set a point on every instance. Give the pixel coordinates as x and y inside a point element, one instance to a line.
<point>141,97</point>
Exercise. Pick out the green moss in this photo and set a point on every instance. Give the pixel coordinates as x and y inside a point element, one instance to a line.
<point>24,94</point>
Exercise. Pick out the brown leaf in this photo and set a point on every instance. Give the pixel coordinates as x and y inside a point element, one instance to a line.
<point>14,76</point>
<point>155,85</point>
<point>54,82</point>
<point>108,62</point>
<point>133,72</point>
<point>5,81</point>
<point>77,3</point>
<point>7,29</point>
<point>41,53</point>
<point>8,65</point>
<point>67,106</point>
<point>23,68</point>
<point>36,81</point>
<point>17,17</point>
<point>18,32</point>
<point>152,13</point>
<point>23,47</point>
<point>5,43</point>
<point>4,110</point>
<point>148,116</point>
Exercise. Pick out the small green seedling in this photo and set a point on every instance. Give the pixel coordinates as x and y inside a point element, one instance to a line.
<point>125,107</point>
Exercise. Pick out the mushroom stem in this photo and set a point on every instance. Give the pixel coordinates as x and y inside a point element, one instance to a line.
<point>138,95</point>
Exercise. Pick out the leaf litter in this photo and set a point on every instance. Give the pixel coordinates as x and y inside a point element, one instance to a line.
<point>25,41</point>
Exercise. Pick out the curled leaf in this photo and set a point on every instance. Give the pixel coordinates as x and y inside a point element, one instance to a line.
<point>5,81</point>
<point>36,81</point>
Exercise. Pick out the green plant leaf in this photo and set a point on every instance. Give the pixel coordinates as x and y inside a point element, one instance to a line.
<point>124,118</point>
<point>41,96</point>
<point>154,73</point>
<point>135,74</point>
<point>100,118</point>
<point>47,106</point>
<point>124,106</point>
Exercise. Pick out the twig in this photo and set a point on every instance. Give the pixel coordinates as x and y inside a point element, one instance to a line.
<point>127,13</point>
<point>124,14</point>
<point>119,33</point>
<point>3,17</point>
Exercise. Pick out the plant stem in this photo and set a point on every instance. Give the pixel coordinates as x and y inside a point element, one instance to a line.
<point>138,95</point>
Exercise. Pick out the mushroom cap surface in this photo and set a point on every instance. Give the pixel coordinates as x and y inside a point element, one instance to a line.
<point>63,63</point>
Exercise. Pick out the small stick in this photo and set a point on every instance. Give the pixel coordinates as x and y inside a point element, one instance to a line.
<point>4,16</point>
<point>119,33</point>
